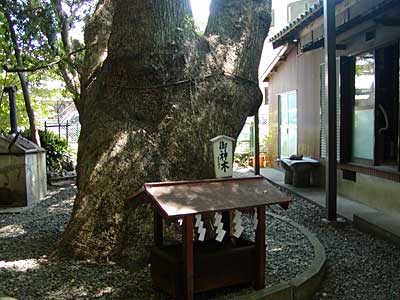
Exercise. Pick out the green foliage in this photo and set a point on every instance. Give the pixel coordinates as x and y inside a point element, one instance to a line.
<point>264,144</point>
<point>57,151</point>
<point>365,64</point>
<point>42,110</point>
<point>34,27</point>
<point>251,150</point>
<point>242,159</point>
<point>190,29</point>
<point>34,30</point>
<point>22,117</point>
<point>43,36</point>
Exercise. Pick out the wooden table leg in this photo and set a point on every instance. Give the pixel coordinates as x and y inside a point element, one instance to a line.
<point>188,256</point>
<point>158,228</point>
<point>260,250</point>
<point>301,175</point>
<point>288,173</point>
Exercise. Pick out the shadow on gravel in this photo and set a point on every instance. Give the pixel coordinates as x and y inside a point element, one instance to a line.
<point>33,233</point>
<point>27,239</point>
<point>41,279</point>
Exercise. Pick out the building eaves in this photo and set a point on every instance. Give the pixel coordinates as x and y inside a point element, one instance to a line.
<point>279,58</point>
<point>300,22</point>
<point>369,9</point>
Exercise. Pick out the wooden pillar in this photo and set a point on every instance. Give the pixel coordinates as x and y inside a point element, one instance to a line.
<point>260,250</point>
<point>256,145</point>
<point>188,257</point>
<point>330,86</point>
<point>158,228</point>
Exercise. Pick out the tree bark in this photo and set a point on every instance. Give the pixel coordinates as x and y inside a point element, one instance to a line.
<point>97,34</point>
<point>28,106</point>
<point>150,108</point>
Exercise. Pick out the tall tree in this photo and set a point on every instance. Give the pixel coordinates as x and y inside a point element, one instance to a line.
<point>39,37</point>
<point>11,23</point>
<point>8,79</point>
<point>67,13</point>
<point>154,94</point>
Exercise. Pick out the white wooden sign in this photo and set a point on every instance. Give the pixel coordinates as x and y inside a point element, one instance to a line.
<point>223,156</point>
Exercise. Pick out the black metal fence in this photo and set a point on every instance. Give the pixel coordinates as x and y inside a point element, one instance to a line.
<point>68,131</point>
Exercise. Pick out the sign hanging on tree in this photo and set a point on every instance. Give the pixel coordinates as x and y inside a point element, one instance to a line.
<point>223,156</point>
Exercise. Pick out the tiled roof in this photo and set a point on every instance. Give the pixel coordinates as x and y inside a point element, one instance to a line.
<point>309,15</point>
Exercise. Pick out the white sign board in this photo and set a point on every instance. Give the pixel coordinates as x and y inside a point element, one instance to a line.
<point>223,156</point>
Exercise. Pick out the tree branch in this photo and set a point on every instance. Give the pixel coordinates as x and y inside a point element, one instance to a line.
<point>70,72</point>
<point>162,28</point>
<point>70,82</point>
<point>17,51</point>
<point>37,68</point>
<point>238,24</point>
<point>73,13</point>
<point>64,23</point>
<point>21,75</point>
<point>97,34</point>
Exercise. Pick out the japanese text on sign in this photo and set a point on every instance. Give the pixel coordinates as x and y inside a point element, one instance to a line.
<point>223,156</point>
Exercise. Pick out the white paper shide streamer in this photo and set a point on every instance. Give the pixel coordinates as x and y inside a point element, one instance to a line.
<point>237,221</point>
<point>200,227</point>
<point>255,219</point>
<point>219,225</point>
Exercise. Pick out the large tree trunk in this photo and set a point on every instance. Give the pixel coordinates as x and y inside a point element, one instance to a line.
<point>150,108</point>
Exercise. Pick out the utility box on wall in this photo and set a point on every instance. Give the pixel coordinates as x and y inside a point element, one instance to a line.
<point>22,171</point>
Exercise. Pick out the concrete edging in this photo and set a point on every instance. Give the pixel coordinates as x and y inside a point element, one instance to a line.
<point>304,285</point>
<point>4,297</point>
<point>367,225</point>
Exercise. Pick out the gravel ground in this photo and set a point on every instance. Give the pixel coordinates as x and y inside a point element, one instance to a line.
<point>27,239</point>
<point>360,266</point>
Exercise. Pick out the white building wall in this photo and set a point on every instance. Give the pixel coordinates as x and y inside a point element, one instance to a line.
<point>283,11</point>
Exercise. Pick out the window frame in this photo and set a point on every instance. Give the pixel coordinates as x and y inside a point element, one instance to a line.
<point>279,95</point>
<point>347,103</point>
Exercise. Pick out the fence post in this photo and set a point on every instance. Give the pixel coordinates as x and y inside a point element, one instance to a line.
<point>45,126</point>
<point>66,132</point>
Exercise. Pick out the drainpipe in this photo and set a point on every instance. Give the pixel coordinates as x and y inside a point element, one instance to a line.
<point>13,107</point>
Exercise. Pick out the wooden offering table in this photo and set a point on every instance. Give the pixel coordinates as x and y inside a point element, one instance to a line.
<point>195,266</point>
<point>298,172</point>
